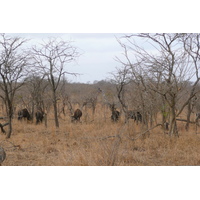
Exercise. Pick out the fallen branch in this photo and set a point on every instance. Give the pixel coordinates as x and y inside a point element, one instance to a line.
<point>13,146</point>
<point>145,132</point>
<point>111,136</point>
<point>2,129</point>
<point>184,120</point>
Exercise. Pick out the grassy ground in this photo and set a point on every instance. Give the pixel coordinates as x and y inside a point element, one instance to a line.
<point>96,144</point>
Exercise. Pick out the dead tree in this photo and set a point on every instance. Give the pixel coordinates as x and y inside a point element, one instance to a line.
<point>121,80</point>
<point>192,47</point>
<point>36,88</point>
<point>13,70</point>
<point>52,57</point>
<point>1,127</point>
<point>91,101</point>
<point>168,71</point>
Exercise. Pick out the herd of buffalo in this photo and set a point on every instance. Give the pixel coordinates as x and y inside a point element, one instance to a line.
<point>39,115</point>
<point>130,115</point>
<point>24,114</point>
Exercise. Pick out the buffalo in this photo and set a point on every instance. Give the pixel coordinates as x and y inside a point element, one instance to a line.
<point>77,115</point>
<point>115,115</point>
<point>197,116</point>
<point>39,115</point>
<point>24,114</point>
<point>166,126</point>
<point>2,155</point>
<point>134,115</point>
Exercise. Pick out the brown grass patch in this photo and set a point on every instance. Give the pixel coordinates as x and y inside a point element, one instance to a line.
<point>96,144</point>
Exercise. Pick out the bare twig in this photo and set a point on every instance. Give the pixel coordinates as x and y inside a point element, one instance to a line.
<point>111,136</point>
<point>2,129</point>
<point>144,132</point>
<point>13,145</point>
<point>184,120</point>
<point>115,147</point>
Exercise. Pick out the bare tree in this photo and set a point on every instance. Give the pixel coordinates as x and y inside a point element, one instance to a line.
<point>166,68</point>
<point>52,57</point>
<point>65,98</point>
<point>13,62</point>
<point>121,80</point>
<point>192,47</point>
<point>90,101</point>
<point>36,86</point>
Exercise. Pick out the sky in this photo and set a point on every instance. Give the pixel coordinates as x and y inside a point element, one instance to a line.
<point>97,53</point>
<point>93,28</point>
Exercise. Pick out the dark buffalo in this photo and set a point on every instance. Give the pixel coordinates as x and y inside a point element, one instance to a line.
<point>197,116</point>
<point>166,126</point>
<point>138,116</point>
<point>39,115</point>
<point>134,115</point>
<point>24,114</point>
<point>115,115</point>
<point>77,115</point>
<point>2,155</point>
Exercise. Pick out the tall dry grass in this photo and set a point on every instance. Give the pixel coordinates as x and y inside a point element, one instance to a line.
<point>97,142</point>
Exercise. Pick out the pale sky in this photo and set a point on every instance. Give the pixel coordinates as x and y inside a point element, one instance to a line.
<point>98,52</point>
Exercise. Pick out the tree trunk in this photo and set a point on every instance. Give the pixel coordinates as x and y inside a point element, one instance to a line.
<point>188,116</point>
<point>10,115</point>
<point>45,119</point>
<point>8,134</point>
<point>173,125</point>
<point>55,110</point>
<point>33,111</point>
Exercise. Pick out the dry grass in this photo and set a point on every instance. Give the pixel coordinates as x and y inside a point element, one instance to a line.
<point>95,144</point>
